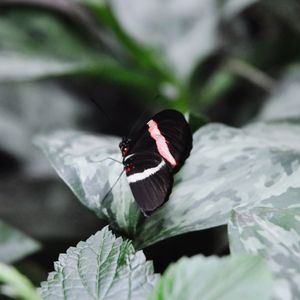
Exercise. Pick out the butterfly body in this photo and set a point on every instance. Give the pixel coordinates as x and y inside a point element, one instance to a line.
<point>153,155</point>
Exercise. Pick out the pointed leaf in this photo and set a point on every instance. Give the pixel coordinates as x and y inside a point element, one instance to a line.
<point>274,234</point>
<point>103,267</point>
<point>85,163</point>
<point>213,278</point>
<point>10,241</point>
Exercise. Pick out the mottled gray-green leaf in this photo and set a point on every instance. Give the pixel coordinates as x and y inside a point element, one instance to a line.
<point>15,245</point>
<point>229,168</point>
<point>86,163</point>
<point>284,102</point>
<point>103,267</point>
<point>213,278</point>
<point>274,234</point>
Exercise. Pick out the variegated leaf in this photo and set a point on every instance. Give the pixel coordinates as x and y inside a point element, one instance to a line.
<point>103,267</point>
<point>213,278</point>
<point>86,163</point>
<point>227,168</point>
<point>274,234</point>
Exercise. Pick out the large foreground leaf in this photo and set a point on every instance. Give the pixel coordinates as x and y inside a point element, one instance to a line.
<point>103,267</point>
<point>212,278</point>
<point>274,234</point>
<point>227,168</point>
<point>15,245</point>
<point>84,162</point>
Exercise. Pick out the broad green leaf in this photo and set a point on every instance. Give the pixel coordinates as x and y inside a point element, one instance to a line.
<point>213,278</point>
<point>29,49</point>
<point>14,245</point>
<point>284,102</point>
<point>227,168</point>
<point>183,32</point>
<point>85,163</point>
<point>16,284</point>
<point>103,267</point>
<point>274,234</point>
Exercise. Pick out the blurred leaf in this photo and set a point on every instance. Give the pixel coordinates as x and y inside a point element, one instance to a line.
<point>196,121</point>
<point>274,234</point>
<point>219,83</point>
<point>288,11</point>
<point>29,49</point>
<point>29,108</point>
<point>15,245</point>
<point>16,284</point>
<point>103,267</point>
<point>83,162</point>
<point>230,8</point>
<point>284,102</point>
<point>183,32</point>
<point>213,278</point>
<point>227,168</point>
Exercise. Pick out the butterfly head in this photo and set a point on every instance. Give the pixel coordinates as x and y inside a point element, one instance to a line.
<point>124,146</point>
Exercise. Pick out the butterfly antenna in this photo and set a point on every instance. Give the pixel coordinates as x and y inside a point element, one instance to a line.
<point>101,109</point>
<point>113,186</point>
<point>142,116</point>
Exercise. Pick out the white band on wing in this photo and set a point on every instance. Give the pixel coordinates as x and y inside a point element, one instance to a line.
<point>146,173</point>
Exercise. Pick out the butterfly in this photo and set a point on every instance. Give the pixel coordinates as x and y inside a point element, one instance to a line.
<point>153,155</point>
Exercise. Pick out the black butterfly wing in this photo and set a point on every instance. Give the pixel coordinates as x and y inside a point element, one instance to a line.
<point>175,130</point>
<point>150,179</point>
<point>174,127</point>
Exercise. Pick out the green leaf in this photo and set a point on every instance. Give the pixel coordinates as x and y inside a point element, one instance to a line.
<point>29,50</point>
<point>10,241</point>
<point>16,284</point>
<point>213,278</point>
<point>284,104</point>
<point>84,162</point>
<point>196,121</point>
<point>182,34</point>
<point>274,234</point>
<point>227,168</point>
<point>103,267</point>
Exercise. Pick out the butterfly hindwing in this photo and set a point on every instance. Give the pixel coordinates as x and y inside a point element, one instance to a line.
<point>150,179</point>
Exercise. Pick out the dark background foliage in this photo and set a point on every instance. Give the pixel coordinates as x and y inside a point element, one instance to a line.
<point>55,56</point>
